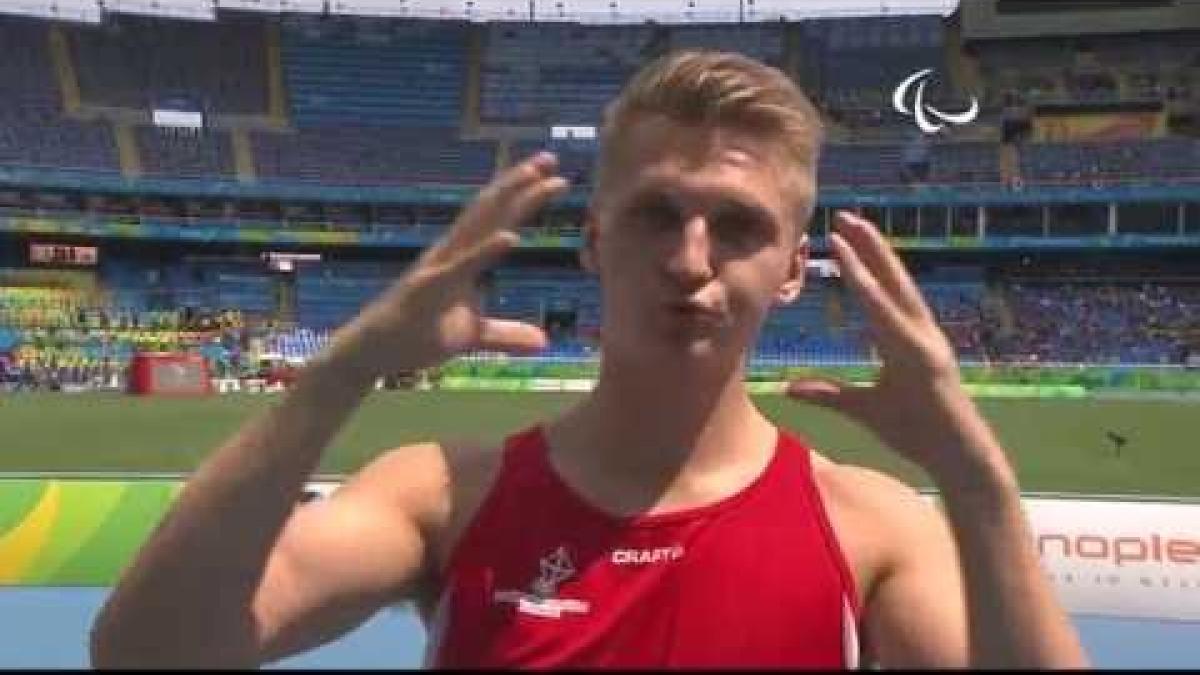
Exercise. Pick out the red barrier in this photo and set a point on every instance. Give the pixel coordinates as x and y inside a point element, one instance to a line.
<point>170,374</point>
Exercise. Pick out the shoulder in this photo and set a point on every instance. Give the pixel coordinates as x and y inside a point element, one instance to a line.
<point>427,481</point>
<point>862,488</point>
<point>438,486</point>
<point>879,520</point>
<point>910,585</point>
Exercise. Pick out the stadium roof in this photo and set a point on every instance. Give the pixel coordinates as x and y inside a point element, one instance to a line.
<point>584,11</point>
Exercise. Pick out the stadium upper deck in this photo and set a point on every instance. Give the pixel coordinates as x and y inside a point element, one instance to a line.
<point>361,101</point>
<point>334,101</point>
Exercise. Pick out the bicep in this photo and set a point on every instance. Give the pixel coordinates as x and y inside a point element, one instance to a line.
<point>330,572</point>
<point>336,563</point>
<point>916,616</point>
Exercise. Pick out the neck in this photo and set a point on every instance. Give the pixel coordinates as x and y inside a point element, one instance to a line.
<point>666,421</point>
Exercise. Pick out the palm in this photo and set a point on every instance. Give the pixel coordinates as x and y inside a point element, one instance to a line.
<point>460,326</point>
<point>917,405</point>
<point>434,311</point>
<point>902,413</point>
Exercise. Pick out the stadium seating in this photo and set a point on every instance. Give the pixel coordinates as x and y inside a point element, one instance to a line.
<point>405,73</point>
<point>1148,159</point>
<point>1109,323</point>
<point>45,307</point>
<point>840,164</point>
<point>329,294</point>
<point>958,306</point>
<point>371,129</point>
<point>557,74</point>
<point>30,139</point>
<point>968,162</point>
<point>861,165</point>
<point>803,332</point>
<point>763,41</point>
<point>183,153</point>
<point>565,74</point>
<point>140,287</point>
<point>344,155</point>
<point>221,67</point>
<point>856,61</point>
<point>26,73</point>
<point>32,133</point>
<point>525,294</point>
<point>402,118</point>
<point>297,344</point>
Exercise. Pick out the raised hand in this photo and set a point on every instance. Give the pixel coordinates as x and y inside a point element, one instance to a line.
<point>432,312</point>
<point>918,405</point>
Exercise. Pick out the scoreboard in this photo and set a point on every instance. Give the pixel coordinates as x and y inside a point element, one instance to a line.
<point>63,254</point>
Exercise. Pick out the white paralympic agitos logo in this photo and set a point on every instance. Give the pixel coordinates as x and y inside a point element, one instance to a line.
<point>921,110</point>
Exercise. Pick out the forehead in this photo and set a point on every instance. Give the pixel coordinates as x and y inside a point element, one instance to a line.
<point>659,154</point>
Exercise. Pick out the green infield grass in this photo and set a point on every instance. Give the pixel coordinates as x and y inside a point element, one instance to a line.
<point>1059,445</point>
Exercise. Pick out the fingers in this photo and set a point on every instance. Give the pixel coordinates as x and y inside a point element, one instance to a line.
<point>472,255</point>
<point>883,313</point>
<point>540,165</point>
<point>505,203</point>
<point>514,337</point>
<point>818,390</point>
<point>826,392</point>
<point>525,203</point>
<point>471,263</point>
<point>883,263</point>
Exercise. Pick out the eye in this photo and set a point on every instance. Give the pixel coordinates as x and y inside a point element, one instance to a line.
<point>739,227</point>
<point>656,214</point>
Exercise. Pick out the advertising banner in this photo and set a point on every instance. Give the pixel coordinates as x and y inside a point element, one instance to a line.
<point>1108,126</point>
<point>1105,556</point>
<point>1120,556</point>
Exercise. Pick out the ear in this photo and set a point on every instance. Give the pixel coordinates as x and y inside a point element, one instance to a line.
<point>791,288</point>
<point>587,252</point>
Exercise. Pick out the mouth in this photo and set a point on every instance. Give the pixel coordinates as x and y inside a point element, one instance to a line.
<point>697,314</point>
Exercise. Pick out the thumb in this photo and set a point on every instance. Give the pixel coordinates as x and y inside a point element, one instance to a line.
<point>826,392</point>
<point>503,335</point>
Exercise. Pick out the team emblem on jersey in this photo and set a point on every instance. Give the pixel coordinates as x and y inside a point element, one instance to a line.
<point>553,569</point>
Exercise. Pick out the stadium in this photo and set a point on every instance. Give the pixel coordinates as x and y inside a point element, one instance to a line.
<point>195,193</point>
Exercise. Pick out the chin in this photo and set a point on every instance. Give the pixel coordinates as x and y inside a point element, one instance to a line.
<point>692,351</point>
<point>655,345</point>
<point>701,348</point>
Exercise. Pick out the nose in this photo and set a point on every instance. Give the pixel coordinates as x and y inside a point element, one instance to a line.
<point>690,263</point>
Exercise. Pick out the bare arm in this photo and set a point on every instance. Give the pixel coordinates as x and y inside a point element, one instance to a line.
<point>340,559</point>
<point>919,408</point>
<point>1015,619</point>
<point>186,598</point>
<point>963,588</point>
<point>232,577</point>
<point>915,615</point>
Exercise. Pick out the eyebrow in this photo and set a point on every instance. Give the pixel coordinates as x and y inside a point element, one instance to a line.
<point>725,202</point>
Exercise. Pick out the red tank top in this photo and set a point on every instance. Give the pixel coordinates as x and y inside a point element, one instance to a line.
<point>543,579</point>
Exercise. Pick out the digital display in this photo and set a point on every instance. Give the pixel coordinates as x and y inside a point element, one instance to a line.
<point>63,254</point>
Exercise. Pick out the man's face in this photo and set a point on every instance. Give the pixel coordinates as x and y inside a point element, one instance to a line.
<point>695,239</point>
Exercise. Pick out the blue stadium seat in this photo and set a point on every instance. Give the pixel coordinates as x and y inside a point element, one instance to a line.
<point>405,73</point>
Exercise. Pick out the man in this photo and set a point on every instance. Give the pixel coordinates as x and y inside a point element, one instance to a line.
<point>663,521</point>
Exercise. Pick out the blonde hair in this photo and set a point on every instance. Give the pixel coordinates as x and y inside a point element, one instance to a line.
<point>716,89</point>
